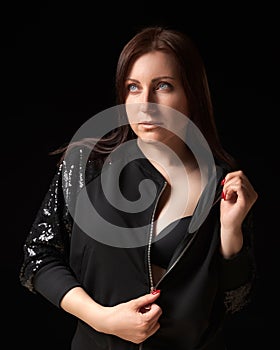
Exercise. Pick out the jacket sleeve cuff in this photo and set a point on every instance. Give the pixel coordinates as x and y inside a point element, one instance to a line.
<point>238,270</point>
<point>54,281</point>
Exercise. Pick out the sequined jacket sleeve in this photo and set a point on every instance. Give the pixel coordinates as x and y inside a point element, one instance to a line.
<point>45,269</point>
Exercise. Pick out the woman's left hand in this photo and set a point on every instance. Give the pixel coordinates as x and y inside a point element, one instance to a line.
<point>237,199</point>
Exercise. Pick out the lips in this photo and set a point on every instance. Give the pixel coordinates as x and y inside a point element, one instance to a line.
<point>150,123</point>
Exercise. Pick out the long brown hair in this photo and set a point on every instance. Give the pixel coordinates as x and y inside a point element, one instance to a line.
<point>194,79</point>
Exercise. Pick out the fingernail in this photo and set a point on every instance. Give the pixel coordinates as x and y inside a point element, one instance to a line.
<point>156,291</point>
<point>223,182</point>
<point>223,195</point>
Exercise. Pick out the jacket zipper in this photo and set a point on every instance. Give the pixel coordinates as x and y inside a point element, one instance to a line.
<point>151,233</point>
<point>152,287</point>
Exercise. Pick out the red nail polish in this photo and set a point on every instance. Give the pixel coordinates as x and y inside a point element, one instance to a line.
<point>223,195</point>
<point>223,182</point>
<point>156,291</point>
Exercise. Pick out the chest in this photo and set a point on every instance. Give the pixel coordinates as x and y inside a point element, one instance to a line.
<point>177,200</point>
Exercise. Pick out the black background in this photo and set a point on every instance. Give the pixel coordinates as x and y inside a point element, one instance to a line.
<point>58,65</point>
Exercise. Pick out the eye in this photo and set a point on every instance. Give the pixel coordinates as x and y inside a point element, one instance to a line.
<point>132,87</point>
<point>164,86</point>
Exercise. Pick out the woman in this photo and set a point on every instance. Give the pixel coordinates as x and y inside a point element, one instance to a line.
<point>166,273</point>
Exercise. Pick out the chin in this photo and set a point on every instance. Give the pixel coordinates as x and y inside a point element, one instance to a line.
<point>151,140</point>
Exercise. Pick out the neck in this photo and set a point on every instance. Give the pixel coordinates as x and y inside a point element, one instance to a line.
<point>167,155</point>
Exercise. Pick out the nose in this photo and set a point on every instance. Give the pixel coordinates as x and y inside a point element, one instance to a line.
<point>148,107</point>
<point>147,101</point>
<point>147,96</point>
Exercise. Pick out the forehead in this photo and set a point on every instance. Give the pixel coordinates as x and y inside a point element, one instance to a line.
<point>154,63</point>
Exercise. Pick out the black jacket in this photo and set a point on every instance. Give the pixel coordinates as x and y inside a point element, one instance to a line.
<point>106,250</point>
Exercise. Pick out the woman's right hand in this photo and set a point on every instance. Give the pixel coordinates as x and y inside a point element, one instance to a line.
<point>135,320</point>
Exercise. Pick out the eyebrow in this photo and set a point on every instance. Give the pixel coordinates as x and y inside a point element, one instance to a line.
<point>153,80</point>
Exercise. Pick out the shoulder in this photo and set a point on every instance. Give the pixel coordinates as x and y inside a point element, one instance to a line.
<point>78,167</point>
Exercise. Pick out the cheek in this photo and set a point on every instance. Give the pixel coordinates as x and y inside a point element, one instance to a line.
<point>134,127</point>
<point>180,104</point>
<point>131,99</point>
<point>131,111</point>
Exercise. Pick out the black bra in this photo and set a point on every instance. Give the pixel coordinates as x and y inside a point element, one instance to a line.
<point>167,240</point>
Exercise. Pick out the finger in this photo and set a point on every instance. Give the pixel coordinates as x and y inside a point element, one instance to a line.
<point>236,183</point>
<point>153,314</point>
<point>154,328</point>
<point>237,188</point>
<point>235,174</point>
<point>145,300</point>
<point>237,177</point>
<point>145,308</point>
<point>230,195</point>
<point>151,329</point>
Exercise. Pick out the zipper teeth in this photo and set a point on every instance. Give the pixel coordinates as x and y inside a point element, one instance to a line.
<point>151,238</point>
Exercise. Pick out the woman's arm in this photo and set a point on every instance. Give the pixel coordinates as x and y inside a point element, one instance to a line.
<point>45,268</point>
<point>238,198</point>
<point>237,251</point>
<point>125,320</point>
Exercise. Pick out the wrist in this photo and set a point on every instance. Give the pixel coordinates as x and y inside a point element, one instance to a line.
<point>231,242</point>
<point>99,320</point>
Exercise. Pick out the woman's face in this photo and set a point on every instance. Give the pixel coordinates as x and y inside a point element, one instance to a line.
<point>154,95</point>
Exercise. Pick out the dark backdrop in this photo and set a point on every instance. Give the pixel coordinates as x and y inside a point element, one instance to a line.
<point>58,64</point>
